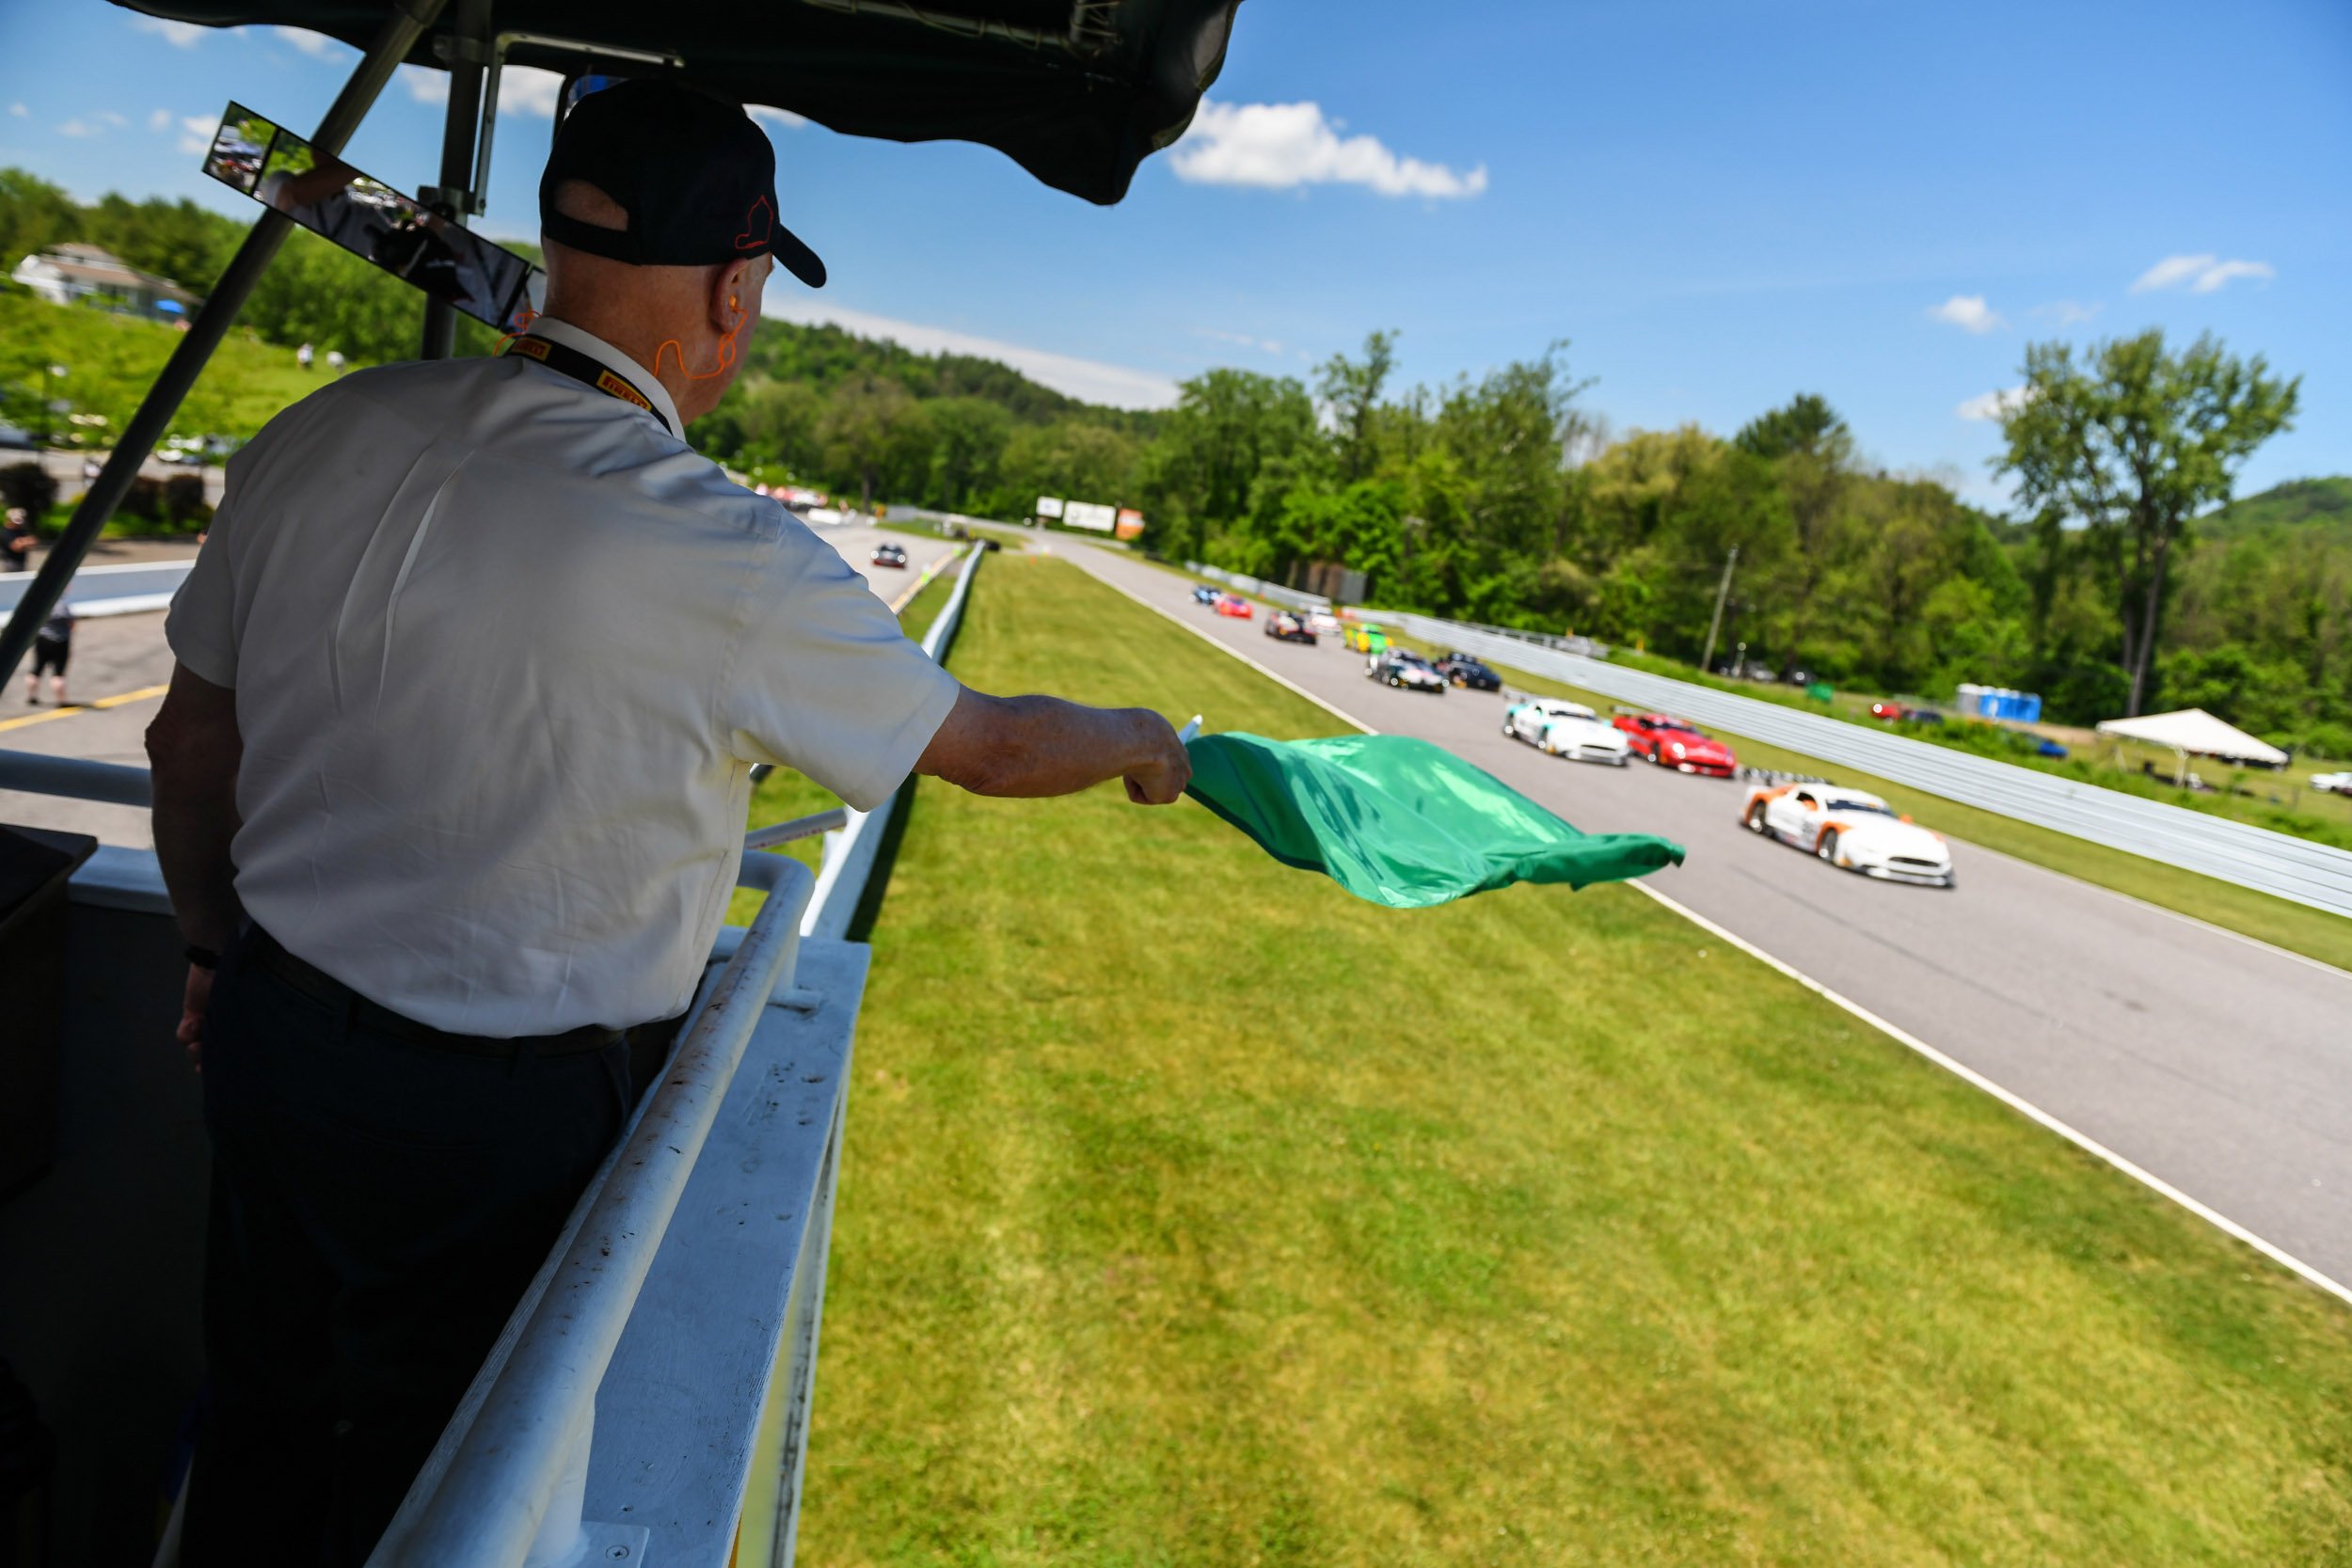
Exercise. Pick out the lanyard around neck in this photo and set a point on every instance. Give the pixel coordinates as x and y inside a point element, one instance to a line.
<point>585,369</point>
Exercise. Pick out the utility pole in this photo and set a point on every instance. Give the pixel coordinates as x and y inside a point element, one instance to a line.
<point>1723,591</point>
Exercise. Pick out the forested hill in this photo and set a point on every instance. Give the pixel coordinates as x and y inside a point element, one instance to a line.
<point>2316,507</point>
<point>826,356</point>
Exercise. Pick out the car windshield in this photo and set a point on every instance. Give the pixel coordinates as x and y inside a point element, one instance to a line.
<point>1866,808</point>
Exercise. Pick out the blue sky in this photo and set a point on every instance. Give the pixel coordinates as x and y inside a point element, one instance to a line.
<point>1718,204</point>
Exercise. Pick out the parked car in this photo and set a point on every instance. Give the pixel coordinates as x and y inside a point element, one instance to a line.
<point>1466,670</point>
<point>1565,728</point>
<point>888,554</point>
<point>2335,784</point>
<point>15,438</point>
<point>1282,624</point>
<point>1235,607</point>
<point>1404,670</point>
<point>1203,593</point>
<point>1323,622</point>
<point>1362,637</point>
<point>1851,830</point>
<point>1675,743</point>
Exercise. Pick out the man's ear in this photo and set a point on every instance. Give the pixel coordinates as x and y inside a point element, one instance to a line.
<point>730,295</point>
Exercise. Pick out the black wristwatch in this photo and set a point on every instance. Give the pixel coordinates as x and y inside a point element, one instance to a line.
<point>203,958</point>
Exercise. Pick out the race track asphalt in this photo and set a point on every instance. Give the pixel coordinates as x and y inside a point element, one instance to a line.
<point>2219,1065</point>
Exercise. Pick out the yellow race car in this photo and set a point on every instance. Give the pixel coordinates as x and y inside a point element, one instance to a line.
<point>1362,637</point>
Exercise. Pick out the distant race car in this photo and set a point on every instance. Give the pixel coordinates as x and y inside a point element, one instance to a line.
<point>1886,712</point>
<point>1281,624</point>
<point>1235,606</point>
<point>1851,830</point>
<point>1323,622</point>
<point>1565,728</point>
<point>2335,784</point>
<point>890,555</point>
<point>1203,593</point>
<point>1362,637</point>
<point>1675,743</point>
<point>1466,670</point>
<point>1404,669</point>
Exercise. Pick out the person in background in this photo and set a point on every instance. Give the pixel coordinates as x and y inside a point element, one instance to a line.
<point>53,646</point>
<point>302,357</point>
<point>16,542</point>
<point>335,361</point>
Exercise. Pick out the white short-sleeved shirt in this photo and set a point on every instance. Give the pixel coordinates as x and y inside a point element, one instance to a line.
<point>504,651</point>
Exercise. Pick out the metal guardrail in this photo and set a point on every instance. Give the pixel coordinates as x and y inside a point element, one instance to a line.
<point>850,856</point>
<point>2315,875</point>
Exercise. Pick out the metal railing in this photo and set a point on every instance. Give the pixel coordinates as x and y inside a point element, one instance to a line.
<point>511,1491</point>
<point>2315,875</point>
<point>849,856</point>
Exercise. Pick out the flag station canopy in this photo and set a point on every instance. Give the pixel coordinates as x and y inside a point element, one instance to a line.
<point>2194,732</point>
<point>1078,93</point>
<point>1401,822</point>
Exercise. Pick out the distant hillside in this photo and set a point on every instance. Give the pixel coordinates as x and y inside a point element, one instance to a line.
<point>2320,507</point>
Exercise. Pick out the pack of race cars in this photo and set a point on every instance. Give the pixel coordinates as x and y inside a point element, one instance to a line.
<point>1848,828</point>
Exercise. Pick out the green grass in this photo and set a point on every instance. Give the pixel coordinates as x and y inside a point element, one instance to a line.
<point>1193,1212</point>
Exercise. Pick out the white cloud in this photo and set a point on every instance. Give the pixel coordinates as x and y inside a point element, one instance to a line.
<point>524,89</point>
<point>179,35</point>
<point>159,120</point>
<point>1240,340</point>
<point>78,128</point>
<point>1992,405</point>
<point>18,110</point>
<point>317,45</point>
<point>1279,146</point>
<point>782,119</point>
<point>2203,274</point>
<point>197,132</point>
<point>1091,379</point>
<point>2067,312</point>
<point>113,119</point>
<point>1969,312</point>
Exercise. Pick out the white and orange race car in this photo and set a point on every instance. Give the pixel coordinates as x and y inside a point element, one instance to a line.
<point>1851,830</point>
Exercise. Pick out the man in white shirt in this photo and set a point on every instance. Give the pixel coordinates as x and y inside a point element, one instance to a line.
<point>451,784</point>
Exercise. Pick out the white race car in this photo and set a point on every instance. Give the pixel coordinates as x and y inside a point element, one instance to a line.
<point>1406,670</point>
<point>2335,784</point>
<point>1565,728</point>
<point>1322,622</point>
<point>1850,829</point>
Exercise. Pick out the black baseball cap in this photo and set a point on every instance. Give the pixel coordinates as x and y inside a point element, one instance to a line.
<point>696,177</point>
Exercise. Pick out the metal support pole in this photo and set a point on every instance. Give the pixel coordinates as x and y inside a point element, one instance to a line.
<point>1723,591</point>
<point>400,30</point>
<point>458,195</point>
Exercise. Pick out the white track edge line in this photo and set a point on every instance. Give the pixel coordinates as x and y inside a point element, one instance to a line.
<point>1900,1036</point>
<point>2014,1102</point>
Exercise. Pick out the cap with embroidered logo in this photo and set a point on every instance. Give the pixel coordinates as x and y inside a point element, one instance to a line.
<point>695,175</point>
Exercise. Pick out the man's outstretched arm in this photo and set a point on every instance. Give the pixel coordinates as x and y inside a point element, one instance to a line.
<point>194,748</point>
<point>1034,746</point>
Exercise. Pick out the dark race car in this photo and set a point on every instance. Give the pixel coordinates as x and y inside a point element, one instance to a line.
<point>1466,670</point>
<point>887,554</point>
<point>1288,629</point>
<point>1204,595</point>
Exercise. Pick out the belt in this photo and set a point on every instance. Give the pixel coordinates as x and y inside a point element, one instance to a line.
<point>266,952</point>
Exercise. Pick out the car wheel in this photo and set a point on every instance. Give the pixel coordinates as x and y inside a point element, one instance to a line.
<point>1826,847</point>
<point>1755,818</point>
<point>1618,761</point>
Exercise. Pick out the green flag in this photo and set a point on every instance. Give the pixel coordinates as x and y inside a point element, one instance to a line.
<point>1401,822</point>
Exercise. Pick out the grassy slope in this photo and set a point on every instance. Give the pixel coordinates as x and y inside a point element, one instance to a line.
<point>2311,932</point>
<point>1193,1212</point>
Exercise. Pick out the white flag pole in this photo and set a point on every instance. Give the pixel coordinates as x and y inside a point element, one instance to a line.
<point>1185,736</point>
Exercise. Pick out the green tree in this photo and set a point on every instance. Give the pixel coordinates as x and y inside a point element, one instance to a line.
<point>1805,424</point>
<point>33,215</point>
<point>1350,390</point>
<point>967,450</point>
<point>2131,442</point>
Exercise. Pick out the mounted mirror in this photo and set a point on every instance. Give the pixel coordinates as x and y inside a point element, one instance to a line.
<point>372,220</point>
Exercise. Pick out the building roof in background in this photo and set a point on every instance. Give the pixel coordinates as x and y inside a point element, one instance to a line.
<point>2195,731</point>
<point>88,264</point>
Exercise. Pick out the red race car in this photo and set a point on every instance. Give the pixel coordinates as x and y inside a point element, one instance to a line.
<point>1675,743</point>
<point>1239,607</point>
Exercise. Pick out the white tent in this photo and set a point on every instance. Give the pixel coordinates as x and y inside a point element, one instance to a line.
<point>2193,732</point>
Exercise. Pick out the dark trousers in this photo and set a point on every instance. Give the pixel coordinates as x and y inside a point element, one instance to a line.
<point>378,1206</point>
